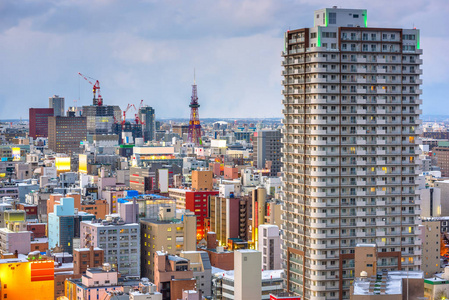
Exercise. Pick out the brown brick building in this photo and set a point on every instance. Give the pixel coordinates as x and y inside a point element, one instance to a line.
<point>66,133</point>
<point>87,258</point>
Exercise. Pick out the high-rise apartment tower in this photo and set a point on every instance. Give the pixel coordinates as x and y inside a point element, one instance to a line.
<point>350,150</point>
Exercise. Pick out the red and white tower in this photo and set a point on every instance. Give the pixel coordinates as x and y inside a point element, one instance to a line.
<point>194,124</point>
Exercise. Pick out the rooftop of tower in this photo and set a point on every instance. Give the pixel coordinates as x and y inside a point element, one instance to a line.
<point>340,17</point>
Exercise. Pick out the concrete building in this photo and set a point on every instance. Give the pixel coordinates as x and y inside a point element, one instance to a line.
<point>431,241</point>
<point>267,147</point>
<point>15,238</point>
<point>374,282</point>
<point>94,284</point>
<point>437,287</point>
<point>156,176</point>
<point>120,242</point>
<point>27,279</point>
<point>196,201</point>
<point>270,246</point>
<point>230,217</point>
<point>63,224</point>
<point>147,116</point>
<point>66,133</point>
<point>202,180</point>
<point>218,256</point>
<point>84,258</point>
<point>430,202</point>
<point>247,271</point>
<point>168,233</point>
<point>202,270</point>
<point>57,104</point>
<point>172,275</point>
<point>100,119</point>
<point>259,198</point>
<point>38,122</point>
<point>443,185</point>
<point>442,156</point>
<point>224,284</point>
<point>350,144</point>
<point>146,291</point>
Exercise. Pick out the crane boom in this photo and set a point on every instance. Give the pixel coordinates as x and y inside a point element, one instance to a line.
<point>96,87</point>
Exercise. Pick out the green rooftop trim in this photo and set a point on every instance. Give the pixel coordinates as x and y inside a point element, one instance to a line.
<point>126,146</point>
<point>365,18</point>
<point>326,18</point>
<point>443,144</point>
<point>318,34</point>
<point>418,42</point>
<point>436,282</point>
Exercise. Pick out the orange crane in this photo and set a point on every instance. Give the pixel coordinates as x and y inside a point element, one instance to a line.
<point>96,87</point>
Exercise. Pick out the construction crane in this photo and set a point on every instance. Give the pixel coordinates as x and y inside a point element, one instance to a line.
<point>124,114</point>
<point>96,87</point>
<point>137,119</point>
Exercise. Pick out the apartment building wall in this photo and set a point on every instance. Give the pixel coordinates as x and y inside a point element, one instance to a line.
<point>270,246</point>
<point>171,236</point>
<point>350,149</point>
<point>431,242</point>
<point>120,242</point>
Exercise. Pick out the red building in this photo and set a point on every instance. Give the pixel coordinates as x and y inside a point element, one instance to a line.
<point>195,201</point>
<point>30,210</point>
<point>39,121</point>
<point>38,229</point>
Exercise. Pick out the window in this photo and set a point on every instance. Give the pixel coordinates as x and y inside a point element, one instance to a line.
<point>332,18</point>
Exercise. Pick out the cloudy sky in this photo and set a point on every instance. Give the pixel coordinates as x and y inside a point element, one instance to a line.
<point>149,49</point>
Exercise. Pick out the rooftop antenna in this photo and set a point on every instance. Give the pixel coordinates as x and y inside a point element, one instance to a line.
<point>194,76</point>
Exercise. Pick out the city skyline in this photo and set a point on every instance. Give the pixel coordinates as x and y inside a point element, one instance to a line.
<point>145,56</point>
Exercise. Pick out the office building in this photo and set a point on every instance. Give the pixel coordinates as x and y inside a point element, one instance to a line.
<point>202,180</point>
<point>267,148</point>
<point>218,256</point>
<point>230,218</point>
<point>147,116</point>
<point>57,103</point>
<point>94,284</point>
<point>120,242</point>
<point>84,258</point>
<point>259,211</point>
<point>437,287</point>
<point>431,246</point>
<point>172,275</point>
<point>195,201</point>
<point>66,133</point>
<point>38,118</point>
<point>27,278</point>
<point>442,157</point>
<point>202,270</point>
<point>63,224</point>
<point>247,280</point>
<point>373,282</point>
<point>350,149</point>
<point>180,130</point>
<point>100,119</point>
<point>270,246</point>
<point>430,202</point>
<point>247,273</point>
<point>169,233</point>
<point>15,238</point>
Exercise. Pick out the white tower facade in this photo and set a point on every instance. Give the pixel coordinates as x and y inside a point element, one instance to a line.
<point>350,150</point>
